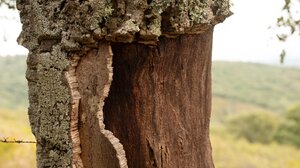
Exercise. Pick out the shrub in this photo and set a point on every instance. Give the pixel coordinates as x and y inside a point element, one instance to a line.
<point>253,126</point>
<point>289,130</point>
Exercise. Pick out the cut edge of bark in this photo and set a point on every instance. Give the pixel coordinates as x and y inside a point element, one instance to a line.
<point>120,152</point>
<point>75,94</point>
<point>74,133</point>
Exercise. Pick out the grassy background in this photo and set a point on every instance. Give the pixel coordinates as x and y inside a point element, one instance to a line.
<point>14,125</point>
<point>237,88</point>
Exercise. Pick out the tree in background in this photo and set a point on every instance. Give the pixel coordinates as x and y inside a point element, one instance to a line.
<point>289,19</point>
<point>289,130</point>
<point>289,22</point>
<point>152,109</point>
<point>253,126</point>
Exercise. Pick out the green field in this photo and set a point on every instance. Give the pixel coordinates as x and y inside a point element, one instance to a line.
<point>237,88</point>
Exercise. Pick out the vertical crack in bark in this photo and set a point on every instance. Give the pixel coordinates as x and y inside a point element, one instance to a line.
<point>89,79</point>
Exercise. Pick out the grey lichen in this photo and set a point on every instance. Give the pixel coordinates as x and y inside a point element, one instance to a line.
<point>221,9</point>
<point>200,12</point>
<point>49,107</point>
<point>119,21</point>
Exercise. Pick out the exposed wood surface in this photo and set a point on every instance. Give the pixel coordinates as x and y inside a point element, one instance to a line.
<point>160,101</point>
<point>99,147</point>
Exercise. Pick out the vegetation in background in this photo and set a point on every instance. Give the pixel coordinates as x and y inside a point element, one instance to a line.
<point>289,21</point>
<point>253,126</point>
<point>289,130</point>
<point>13,86</point>
<point>14,124</point>
<point>229,152</point>
<point>263,87</point>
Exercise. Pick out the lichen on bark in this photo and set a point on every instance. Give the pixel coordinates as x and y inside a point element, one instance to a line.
<point>78,23</point>
<point>49,107</point>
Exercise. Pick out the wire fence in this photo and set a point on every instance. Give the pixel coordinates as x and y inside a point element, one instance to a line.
<point>15,141</point>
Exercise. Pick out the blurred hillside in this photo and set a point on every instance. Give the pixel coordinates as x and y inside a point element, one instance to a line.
<point>13,86</point>
<point>244,87</point>
<point>238,88</point>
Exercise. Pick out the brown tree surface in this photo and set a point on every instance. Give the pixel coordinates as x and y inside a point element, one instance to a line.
<point>120,83</point>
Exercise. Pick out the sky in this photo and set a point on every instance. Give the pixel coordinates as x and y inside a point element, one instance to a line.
<point>10,28</point>
<point>245,36</point>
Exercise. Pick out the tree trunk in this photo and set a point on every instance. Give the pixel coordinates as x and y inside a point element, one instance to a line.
<point>159,102</point>
<point>120,83</point>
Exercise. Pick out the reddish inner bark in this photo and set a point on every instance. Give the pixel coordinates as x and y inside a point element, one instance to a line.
<point>159,102</point>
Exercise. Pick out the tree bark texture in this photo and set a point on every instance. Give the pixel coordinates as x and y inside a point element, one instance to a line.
<point>152,110</point>
<point>159,102</point>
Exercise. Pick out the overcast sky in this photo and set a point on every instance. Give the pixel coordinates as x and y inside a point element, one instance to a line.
<point>246,36</point>
<point>242,37</point>
<point>9,31</point>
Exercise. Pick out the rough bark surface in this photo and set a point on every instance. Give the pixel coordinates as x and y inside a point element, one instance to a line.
<point>159,103</point>
<point>69,76</point>
<point>49,109</point>
<point>78,25</point>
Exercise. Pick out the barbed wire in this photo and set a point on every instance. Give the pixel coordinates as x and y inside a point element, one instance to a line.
<point>76,164</point>
<point>9,140</point>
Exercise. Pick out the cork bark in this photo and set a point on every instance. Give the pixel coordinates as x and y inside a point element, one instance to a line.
<point>69,76</point>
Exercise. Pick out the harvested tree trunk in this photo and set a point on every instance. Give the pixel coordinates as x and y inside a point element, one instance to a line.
<point>152,110</point>
<point>159,102</point>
